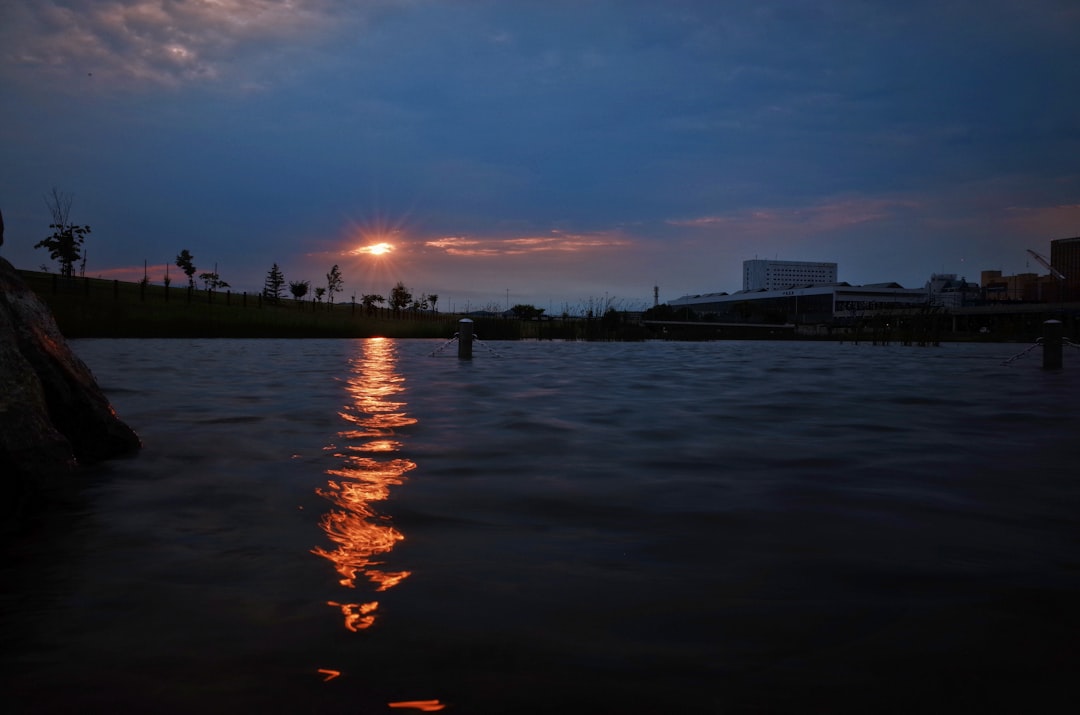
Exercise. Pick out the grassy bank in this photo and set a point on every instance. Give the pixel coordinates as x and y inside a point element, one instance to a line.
<point>99,308</point>
<point>91,307</point>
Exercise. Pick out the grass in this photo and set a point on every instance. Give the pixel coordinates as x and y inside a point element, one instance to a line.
<point>100,308</point>
<point>93,307</point>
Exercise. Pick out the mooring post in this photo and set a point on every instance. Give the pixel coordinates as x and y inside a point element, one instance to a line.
<point>465,336</point>
<point>1052,343</point>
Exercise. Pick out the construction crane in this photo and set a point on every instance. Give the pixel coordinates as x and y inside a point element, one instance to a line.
<point>1046,264</point>
<point>1055,273</point>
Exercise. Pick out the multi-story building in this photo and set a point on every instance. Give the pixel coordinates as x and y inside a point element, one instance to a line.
<point>760,274</point>
<point>945,289</point>
<point>1022,286</point>
<point>1065,258</point>
<point>821,303</point>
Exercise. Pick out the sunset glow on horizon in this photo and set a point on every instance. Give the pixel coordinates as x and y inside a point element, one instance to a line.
<point>375,249</point>
<point>561,151</point>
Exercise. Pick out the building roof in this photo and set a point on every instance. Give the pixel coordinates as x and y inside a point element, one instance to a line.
<point>880,289</point>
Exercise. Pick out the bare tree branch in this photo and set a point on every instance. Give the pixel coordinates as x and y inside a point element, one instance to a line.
<point>59,205</point>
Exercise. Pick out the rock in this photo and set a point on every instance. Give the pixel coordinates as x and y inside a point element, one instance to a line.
<point>53,415</point>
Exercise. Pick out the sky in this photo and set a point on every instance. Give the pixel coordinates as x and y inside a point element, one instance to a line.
<point>556,153</point>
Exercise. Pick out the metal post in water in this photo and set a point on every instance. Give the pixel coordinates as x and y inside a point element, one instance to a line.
<point>465,337</point>
<point>1052,343</point>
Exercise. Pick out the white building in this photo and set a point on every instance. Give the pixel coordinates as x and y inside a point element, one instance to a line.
<point>821,303</point>
<point>760,274</point>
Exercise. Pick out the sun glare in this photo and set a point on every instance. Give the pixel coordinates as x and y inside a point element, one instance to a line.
<point>376,249</point>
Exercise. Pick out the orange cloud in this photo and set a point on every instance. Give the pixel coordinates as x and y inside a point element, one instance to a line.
<point>1060,221</point>
<point>557,242</point>
<point>135,273</point>
<point>810,219</point>
<point>451,243</point>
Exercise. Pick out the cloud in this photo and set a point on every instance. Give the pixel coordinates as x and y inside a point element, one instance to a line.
<point>1059,221</point>
<point>377,249</point>
<point>134,274</point>
<point>158,42</point>
<point>829,215</point>
<point>556,242</point>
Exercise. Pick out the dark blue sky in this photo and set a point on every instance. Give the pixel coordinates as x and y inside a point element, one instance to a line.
<point>543,152</point>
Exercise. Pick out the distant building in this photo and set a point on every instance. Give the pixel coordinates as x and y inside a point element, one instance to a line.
<point>946,290</point>
<point>761,274</point>
<point>821,303</point>
<point>998,287</point>
<point>1039,288</point>
<point>1065,258</point>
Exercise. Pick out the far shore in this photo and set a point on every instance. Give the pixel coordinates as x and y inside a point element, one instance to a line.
<point>102,308</point>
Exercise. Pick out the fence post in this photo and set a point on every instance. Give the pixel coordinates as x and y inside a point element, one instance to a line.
<point>1052,344</point>
<point>465,338</point>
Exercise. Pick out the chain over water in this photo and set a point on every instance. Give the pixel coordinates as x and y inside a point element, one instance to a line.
<point>1038,342</point>
<point>1023,353</point>
<point>437,351</point>
<point>448,343</point>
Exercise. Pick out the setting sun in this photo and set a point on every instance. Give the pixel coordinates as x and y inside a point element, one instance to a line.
<point>376,249</point>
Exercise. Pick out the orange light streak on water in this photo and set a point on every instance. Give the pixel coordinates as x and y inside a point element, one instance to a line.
<point>361,535</point>
<point>357,615</point>
<point>379,445</point>
<point>427,706</point>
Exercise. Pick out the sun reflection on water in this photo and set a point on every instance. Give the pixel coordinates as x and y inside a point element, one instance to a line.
<point>358,482</point>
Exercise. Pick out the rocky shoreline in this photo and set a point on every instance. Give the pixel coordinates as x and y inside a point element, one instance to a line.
<point>53,416</point>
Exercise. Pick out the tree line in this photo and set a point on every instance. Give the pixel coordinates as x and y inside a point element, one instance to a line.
<point>66,246</point>
<point>401,298</point>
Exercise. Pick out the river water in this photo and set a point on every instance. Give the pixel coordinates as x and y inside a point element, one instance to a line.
<point>359,526</point>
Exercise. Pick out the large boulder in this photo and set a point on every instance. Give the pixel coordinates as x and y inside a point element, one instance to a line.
<point>53,415</point>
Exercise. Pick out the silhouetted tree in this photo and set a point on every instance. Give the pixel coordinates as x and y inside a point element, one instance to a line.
<point>275,281</point>
<point>333,283</point>
<point>299,289</point>
<point>527,312</point>
<point>212,281</point>
<point>65,243</point>
<point>400,298</point>
<point>611,321</point>
<point>369,300</point>
<point>320,291</point>
<point>186,262</point>
<point>433,300</point>
<point>660,312</point>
